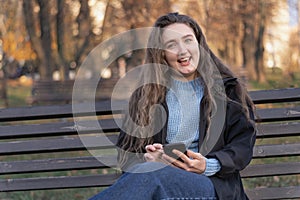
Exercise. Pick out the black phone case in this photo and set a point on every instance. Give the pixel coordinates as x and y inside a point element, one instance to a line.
<point>168,148</point>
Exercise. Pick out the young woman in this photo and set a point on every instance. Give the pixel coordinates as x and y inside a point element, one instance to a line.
<point>196,100</point>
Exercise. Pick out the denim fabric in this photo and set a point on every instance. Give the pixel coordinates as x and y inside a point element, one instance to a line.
<point>165,183</point>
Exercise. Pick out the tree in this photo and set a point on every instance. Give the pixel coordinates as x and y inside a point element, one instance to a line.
<point>70,33</point>
<point>48,29</point>
<point>292,57</point>
<point>124,15</point>
<point>60,39</point>
<point>242,24</point>
<point>259,53</point>
<point>248,44</point>
<point>13,31</point>
<point>14,46</point>
<point>257,17</point>
<point>41,44</point>
<point>138,14</point>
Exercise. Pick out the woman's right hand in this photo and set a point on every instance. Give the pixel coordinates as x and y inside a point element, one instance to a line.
<point>154,152</point>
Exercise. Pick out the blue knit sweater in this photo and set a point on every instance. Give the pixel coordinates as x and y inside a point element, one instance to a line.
<point>183,100</point>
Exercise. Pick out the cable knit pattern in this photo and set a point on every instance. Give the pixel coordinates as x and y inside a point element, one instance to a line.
<point>183,100</point>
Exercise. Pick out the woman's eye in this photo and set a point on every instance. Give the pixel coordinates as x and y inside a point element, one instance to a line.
<point>171,45</point>
<point>188,40</point>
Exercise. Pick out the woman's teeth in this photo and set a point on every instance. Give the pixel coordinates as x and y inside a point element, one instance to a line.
<point>184,61</point>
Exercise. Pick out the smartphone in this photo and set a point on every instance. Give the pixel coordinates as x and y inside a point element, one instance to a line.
<point>168,148</point>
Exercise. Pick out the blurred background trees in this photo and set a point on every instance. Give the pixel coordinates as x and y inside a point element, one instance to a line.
<point>49,39</point>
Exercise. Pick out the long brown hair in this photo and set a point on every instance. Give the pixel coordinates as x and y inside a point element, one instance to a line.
<point>148,95</point>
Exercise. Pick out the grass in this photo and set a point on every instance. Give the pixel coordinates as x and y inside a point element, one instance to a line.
<point>18,94</point>
<point>276,79</point>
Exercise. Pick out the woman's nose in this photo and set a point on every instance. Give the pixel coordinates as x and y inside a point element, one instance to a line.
<point>182,50</point>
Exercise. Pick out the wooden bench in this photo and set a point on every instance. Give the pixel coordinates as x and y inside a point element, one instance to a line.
<point>48,92</point>
<point>40,148</point>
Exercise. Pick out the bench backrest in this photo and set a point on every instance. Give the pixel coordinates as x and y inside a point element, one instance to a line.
<point>37,142</point>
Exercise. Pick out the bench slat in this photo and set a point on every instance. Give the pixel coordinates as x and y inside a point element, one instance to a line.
<point>275,95</point>
<point>278,129</point>
<point>274,193</point>
<point>264,151</point>
<point>59,164</point>
<point>271,169</point>
<point>75,143</point>
<point>50,112</point>
<point>109,125</point>
<point>54,129</point>
<point>57,182</point>
<point>84,109</point>
<point>59,111</point>
<point>57,144</point>
<point>36,112</point>
<point>56,164</point>
<point>278,114</point>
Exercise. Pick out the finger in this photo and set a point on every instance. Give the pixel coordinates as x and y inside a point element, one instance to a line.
<point>180,164</point>
<point>188,164</point>
<point>181,155</point>
<point>167,158</point>
<point>190,153</point>
<point>174,162</point>
<point>150,148</point>
<point>193,155</point>
<point>158,146</point>
<point>148,157</point>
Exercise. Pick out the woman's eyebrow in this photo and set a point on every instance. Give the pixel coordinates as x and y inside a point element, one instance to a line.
<point>188,35</point>
<point>174,40</point>
<point>169,41</point>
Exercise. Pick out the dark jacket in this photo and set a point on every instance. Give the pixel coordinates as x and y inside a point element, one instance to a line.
<point>233,146</point>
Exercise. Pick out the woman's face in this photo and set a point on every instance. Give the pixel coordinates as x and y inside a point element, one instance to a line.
<point>181,49</point>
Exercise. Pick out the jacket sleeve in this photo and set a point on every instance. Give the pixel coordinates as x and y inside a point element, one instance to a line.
<point>235,149</point>
<point>239,139</point>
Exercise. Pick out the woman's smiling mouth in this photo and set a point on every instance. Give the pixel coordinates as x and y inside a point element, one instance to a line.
<point>184,61</point>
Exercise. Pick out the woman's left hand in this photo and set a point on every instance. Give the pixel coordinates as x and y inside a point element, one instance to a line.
<point>192,162</point>
<point>154,152</point>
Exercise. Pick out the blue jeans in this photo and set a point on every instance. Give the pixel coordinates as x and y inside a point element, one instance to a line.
<point>165,183</point>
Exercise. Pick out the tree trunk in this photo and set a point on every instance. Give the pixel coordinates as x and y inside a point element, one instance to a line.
<point>3,87</point>
<point>106,21</point>
<point>46,38</point>
<point>259,65</point>
<point>35,39</point>
<point>259,53</point>
<point>298,59</point>
<point>84,30</point>
<point>248,49</point>
<point>60,34</point>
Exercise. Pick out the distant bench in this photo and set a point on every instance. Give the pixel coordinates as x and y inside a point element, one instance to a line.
<point>60,160</point>
<point>48,92</point>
